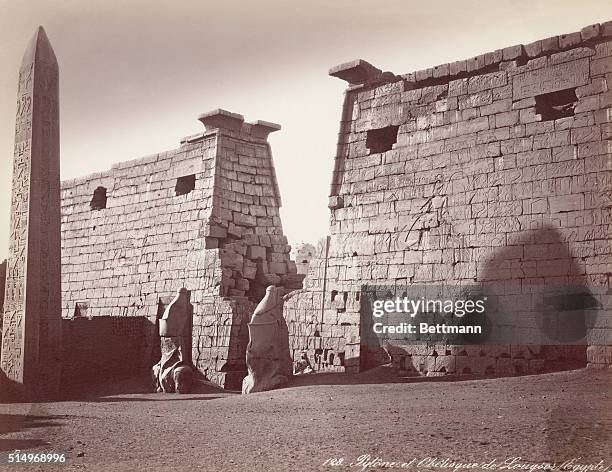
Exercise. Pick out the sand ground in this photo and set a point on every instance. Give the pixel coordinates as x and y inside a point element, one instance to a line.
<point>325,417</point>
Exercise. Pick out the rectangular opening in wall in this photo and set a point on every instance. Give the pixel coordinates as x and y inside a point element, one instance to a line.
<point>555,105</point>
<point>80,309</point>
<point>381,139</point>
<point>98,201</point>
<point>184,184</point>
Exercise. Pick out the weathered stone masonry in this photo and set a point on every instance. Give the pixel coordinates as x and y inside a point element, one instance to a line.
<point>203,216</point>
<point>496,169</point>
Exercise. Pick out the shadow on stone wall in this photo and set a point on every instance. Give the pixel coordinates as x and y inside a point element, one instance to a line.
<point>540,315</point>
<point>538,277</point>
<point>8,391</point>
<point>106,348</point>
<point>372,353</point>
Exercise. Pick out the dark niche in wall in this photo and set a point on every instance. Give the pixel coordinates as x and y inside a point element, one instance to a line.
<point>98,201</point>
<point>184,184</point>
<point>381,139</point>
<point>555,105</point>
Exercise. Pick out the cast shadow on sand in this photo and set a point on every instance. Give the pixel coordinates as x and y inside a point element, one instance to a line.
<point>17,423</point>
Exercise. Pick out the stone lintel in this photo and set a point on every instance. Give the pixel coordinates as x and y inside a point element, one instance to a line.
<point>356,72</point>
<point>221,119</point>
<point>261,129</point>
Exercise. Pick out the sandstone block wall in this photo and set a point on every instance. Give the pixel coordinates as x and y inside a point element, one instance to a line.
<point>492,170</point>
<point>203,216</point>
<point>222,321</point>
<point>146,243</point>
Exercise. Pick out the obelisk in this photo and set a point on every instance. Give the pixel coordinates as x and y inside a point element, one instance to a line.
<point>31,335</point>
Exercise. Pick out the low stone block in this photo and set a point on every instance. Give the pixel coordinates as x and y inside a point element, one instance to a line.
<point>244,220</point>
<point>475,63</point>
<point>242,284</point>
<point>599,355</point>
<point>513,52</point>
<point>589,32</point>
<point>569,40</point>
<point>550,44</point>
<point>211,243</point>
<point>457,67</point>
<point>235,231</point>
<point>445,364</point>
<point>277,267</point>
<point>215,231</point>
<point>249,270</point>
<point>335,202</point>
<point>424,74</point>
<point>256,252</point>
<point>231,259</point>
<point>564,203</point>
<point>533,49</point>
<point>441,70</point>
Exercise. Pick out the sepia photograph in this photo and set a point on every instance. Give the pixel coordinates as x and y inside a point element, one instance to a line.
<point>332,235</point>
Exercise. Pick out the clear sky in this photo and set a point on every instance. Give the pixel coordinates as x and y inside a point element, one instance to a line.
<point>134,75</point>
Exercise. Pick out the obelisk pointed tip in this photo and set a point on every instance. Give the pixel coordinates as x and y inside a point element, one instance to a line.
<point>39,48</point>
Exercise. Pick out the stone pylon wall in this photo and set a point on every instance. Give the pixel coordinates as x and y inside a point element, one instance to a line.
<point>203,216</point>
<point>492,170</point>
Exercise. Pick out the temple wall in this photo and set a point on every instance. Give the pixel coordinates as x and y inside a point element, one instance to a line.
<point>147,243</point>
<point>203,216</point>
<point>493,171</point>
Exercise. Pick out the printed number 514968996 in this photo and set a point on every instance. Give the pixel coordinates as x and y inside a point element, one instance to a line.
<point>39,457</point>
